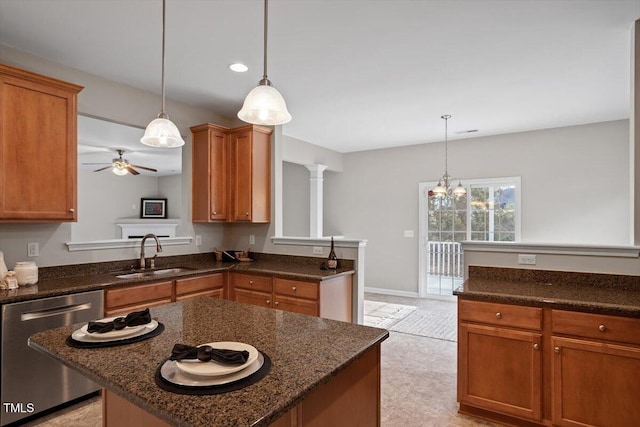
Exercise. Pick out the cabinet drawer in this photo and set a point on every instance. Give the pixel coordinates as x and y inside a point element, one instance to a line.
<point>515,316</point>
<point>296,305</point>
<point>599,326</point>
<point>198,284</point>
<point>252,297</point>
<point>297,289</point>
<point>255,283</point>
<point>137,295</point>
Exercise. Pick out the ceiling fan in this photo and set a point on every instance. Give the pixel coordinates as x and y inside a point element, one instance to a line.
<point>120,166</point>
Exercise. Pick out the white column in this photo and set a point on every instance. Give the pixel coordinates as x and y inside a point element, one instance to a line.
<point>315,199</point>
<point>634,146</point>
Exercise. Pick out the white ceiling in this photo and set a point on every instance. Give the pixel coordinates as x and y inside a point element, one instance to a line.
<point>357,74</point>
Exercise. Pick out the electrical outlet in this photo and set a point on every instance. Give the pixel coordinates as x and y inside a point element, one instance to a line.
<point>408,233</point>
<point>526,259</point>
<point>33,249</point>
<point>317,250</point>
<point>198,240</point>
<point>252,239</point>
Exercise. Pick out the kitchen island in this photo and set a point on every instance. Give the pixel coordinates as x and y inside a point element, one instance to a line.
<point>323,372</point>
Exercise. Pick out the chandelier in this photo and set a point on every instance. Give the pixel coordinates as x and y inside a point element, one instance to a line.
<point>443,189</point>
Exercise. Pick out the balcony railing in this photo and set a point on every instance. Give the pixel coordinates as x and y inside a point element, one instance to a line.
<point>445,259</point>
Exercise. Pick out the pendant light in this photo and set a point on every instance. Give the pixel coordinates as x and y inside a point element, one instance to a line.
<point>264,105</point>
<point>161,132</point>
<point>443,189</point>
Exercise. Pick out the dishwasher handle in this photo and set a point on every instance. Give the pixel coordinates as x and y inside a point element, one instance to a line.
<point>50,312</point>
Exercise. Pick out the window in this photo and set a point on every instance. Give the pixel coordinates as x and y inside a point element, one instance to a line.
<point>490,211</point>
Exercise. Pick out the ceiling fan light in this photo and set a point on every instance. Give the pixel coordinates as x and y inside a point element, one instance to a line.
<point>118,170</point>
<point>264,105</point>
<point>162,133</point>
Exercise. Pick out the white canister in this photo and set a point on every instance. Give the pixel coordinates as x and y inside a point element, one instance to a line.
<point>26,273</point>
<point>3,267</point>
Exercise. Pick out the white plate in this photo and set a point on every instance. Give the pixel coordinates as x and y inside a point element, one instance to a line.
<point>81,336</point>
<point>114,334</point>
<point>173,374</point>
<point>215,369</point>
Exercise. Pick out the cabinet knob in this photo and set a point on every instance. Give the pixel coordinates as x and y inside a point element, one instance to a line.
<point>294,289</point>
<point>251,282</point>
<point>499,315</point>
<point>246,214</point>
<point>602,328</point>
<point>214,213</point>
<point>536,346</point>
<point>268,302</point>
<point>556,349</point>
<point>276,303</point>
<point>72,210</point>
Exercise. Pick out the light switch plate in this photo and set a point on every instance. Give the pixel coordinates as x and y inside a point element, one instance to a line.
<point>33,249</point>
<point>252,239</point>
<point>317,250</point>
<point>198,240</point>
<point>408,233</point>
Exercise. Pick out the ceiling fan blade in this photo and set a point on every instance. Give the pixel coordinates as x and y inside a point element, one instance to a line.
<point>99,163</point>
<point>101,169</point>
<point>145,168</point>
<point>131,170</point>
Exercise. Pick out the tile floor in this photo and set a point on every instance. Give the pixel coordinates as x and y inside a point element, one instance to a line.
<point>418,383</point>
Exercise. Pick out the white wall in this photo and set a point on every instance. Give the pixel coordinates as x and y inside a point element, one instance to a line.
<point>117,102</point>
<point>575,189</point>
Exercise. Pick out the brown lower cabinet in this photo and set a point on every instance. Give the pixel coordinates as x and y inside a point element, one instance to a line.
<point>531,366</point>
<point>330,298</point>
<point>137,297</point>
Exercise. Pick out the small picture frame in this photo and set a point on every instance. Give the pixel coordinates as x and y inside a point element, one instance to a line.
<point>153,208</point>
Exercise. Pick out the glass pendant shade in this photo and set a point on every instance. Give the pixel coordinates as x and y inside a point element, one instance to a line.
<point>264,106</point>
<point>459,191</point>
<point>161,132</point>
<point>439,190</point>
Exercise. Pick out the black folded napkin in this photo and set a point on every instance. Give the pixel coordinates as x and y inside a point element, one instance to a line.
<point>135,318</point>
<point>206,353</point>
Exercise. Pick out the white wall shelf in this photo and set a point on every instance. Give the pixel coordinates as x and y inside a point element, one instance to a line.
<point>553,248</point>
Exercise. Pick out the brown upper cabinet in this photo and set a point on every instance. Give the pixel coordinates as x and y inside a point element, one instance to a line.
<point>231,178</point>
<point>38,146</point>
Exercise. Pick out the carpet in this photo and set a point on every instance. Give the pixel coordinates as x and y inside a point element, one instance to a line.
<point>436,319</point>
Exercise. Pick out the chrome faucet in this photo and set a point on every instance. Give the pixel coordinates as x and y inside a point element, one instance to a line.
<point>158,249</point>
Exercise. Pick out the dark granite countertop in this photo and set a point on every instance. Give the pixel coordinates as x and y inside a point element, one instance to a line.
<point>54,281</point>
<point>305,352</point>
<point>589,292</point>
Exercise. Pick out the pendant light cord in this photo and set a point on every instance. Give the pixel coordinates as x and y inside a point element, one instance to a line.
<point>446,118</point>
<point>162,113</point>
<point>266,14</point>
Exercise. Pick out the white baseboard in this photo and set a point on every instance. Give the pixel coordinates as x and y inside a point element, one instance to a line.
<point>392,292</point>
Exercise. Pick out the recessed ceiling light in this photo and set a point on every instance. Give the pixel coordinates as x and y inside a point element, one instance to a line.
<point>238,67</point>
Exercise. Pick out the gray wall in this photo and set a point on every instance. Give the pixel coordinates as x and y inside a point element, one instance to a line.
<point>295,199</point>
<point>575,189</point>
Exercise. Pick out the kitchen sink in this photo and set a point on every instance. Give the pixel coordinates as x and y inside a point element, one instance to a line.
<point>152,273</point>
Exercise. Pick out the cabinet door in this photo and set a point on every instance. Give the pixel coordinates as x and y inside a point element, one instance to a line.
<point>595,384</point>
<point>38,146</point>
<point>262,299</point>
<point>296,305</point>
<point>208,285</point>
<point>242,176</point>
<point>210,172</point>
<point>500,370</point>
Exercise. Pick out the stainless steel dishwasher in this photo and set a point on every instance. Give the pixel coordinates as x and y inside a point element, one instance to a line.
<point>32,382</point>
